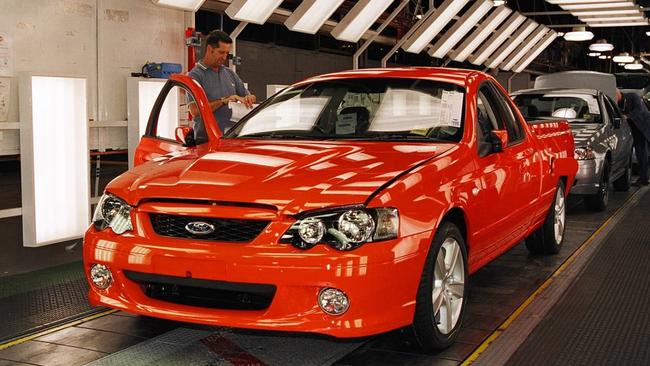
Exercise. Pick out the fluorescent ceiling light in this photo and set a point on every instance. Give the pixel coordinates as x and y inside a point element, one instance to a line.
<point>252,11</point>
<point>634,66</point>
<point>188,5</point>
<point>647,33</point>
<point>581,13</point>
<point>601,45</point>
<point>604,5</point>
<point>560,2</point>
<point>499,2</point>
<point>611,18</point>
<point>54,159</point>
<point>310,15</point>
<point>578,35</point>
<point>623,58</point>
<point>499,36</point>
<point>506,49</point>
<point>460,28</point>
<point>539,47</point>
<point>602,57</point>
<point>524,47</point>
<point>619,24</point>
<point>593,54</point>
<point>433,25</point>
<point>481,33</point>
<point>360,18</point>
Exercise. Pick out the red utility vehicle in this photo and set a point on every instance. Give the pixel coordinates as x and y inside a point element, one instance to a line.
<point>348,204</point>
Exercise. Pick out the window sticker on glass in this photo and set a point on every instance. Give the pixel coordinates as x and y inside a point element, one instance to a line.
<point>451,108</point>
<point>346,124</point>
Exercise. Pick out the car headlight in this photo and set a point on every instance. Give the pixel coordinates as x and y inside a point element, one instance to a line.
<point>344,229</point>
<point>584,153</point>
<point>112,212</point>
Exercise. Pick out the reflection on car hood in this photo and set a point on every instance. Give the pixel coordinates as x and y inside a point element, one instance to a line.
<point>293,176</point>
<point>586,133</point>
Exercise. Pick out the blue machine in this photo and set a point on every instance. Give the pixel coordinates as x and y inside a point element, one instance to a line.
<point>161,70</point>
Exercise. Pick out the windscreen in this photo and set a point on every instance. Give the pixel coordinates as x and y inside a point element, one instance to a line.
<point>364,108</point>
<point>575,108</point>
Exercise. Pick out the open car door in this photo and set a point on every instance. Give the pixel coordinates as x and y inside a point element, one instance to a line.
<point>171,126</point>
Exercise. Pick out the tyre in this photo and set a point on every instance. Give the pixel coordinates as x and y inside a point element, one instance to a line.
<point>598,201</point>
<point>442,293</point>
<point>624,182</point>
<point>548,238</point>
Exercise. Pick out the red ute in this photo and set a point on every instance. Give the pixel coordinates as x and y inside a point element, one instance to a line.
<point>348,204</point>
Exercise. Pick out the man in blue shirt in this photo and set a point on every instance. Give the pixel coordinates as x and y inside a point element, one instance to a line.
<point>221,84</point>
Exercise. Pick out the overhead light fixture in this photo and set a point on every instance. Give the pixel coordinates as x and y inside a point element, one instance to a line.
<point>578,34</point>
<point>500,35</point>
<point>499,2</point>
<point>622,64</point>
<point>535,51</point>
<point>612,18</point>
<point>612,11</point>
<point>647,33</point>
<point>524,47</point>
<point>593,54</point>
<point>433,25</point>
<point>511,44</point>
<point>55,191</point>
<point>310,15</point>
<point>620,24</point>
<point>460,28</point>
<point>188,5</point>
<point>623,58</point>
<point>601,45</point>
<point>257,12</point>
<point>602,5</point>
<point>481,33</point>
<point>602,57</point>
<point>634,66</point>
<point>562,2</point>
<point>360,18</point>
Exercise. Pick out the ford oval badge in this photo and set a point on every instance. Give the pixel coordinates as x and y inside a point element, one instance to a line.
<point>199,228</point>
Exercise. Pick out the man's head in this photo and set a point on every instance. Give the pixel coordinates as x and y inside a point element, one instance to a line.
<point>217,48</point>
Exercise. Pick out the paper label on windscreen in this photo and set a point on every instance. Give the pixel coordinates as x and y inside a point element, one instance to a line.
<point>451,108</point>
<point>346,124</point>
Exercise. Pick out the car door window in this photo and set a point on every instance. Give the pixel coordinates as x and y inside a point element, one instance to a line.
<point>172,110</point>
<point>512,123</point>
<point>487,120</point>
<point>612,109</point>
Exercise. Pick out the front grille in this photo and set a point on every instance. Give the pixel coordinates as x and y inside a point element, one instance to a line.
<point>225,230</point>
<point>204,293</point>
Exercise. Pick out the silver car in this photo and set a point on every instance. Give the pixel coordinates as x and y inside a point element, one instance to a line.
<point>603,139</point>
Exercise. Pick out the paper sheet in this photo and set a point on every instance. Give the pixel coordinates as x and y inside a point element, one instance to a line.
<point>6,62</point>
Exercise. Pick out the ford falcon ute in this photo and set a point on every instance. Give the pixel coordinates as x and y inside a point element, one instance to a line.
<point>348,204</point>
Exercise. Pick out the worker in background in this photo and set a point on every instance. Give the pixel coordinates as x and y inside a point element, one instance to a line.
<point>221,84</point>
<point>639,120</point>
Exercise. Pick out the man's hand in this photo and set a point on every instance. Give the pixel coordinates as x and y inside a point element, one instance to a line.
<point>247,100</point>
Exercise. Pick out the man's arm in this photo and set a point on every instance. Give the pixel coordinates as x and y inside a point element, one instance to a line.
<point>245,96</point>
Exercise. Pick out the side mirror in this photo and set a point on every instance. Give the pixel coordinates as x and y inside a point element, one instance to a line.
<point>616,121</point>
<point>185,136</point>
<point>499,139</point>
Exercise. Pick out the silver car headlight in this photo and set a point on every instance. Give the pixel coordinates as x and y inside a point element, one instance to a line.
<point>344,228</point>
<point>112,212</point>
<point>584,153</point>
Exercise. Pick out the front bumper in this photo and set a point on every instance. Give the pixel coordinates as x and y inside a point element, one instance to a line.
<point>587,179</point>
<point>381,279</point>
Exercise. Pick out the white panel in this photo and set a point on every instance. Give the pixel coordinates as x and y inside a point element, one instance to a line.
<point>311,14</point>
<point>460,28</point>
<point>359,19</point>
<point>432,26</point>
<point>511,44</point>
<point>257,11</point>
<point>54,159</point>
<point>482,32</point>
<point>497,39</point>
<point>525,46</point>
<point>188,5</point>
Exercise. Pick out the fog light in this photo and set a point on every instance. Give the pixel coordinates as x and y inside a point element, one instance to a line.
<point>333,301</point>
<point>101,276</point>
